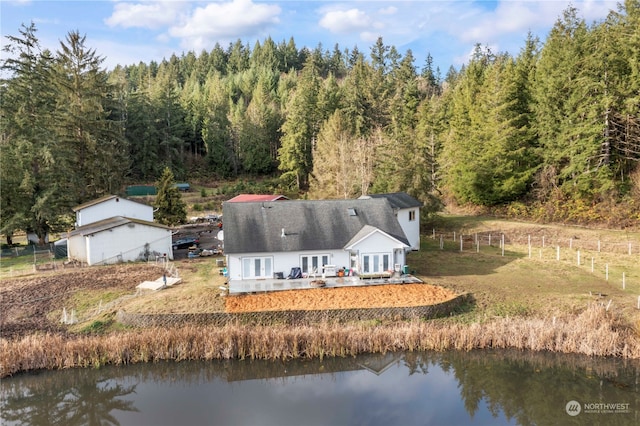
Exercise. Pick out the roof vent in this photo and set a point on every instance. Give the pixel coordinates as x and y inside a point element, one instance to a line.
<point>283,234</point>
<point>352,211</point>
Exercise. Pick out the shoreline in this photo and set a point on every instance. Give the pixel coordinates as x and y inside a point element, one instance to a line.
<point>592,332</point>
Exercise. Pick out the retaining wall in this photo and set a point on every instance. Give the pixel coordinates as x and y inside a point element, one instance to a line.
<point>294,317</point>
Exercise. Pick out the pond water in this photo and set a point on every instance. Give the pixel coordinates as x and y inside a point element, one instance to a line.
<point>410,388</point>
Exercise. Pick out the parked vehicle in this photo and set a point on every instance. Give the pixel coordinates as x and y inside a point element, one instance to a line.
<point>185,242</point>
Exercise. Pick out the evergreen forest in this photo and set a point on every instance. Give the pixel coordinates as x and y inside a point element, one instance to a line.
<point>551,134</point>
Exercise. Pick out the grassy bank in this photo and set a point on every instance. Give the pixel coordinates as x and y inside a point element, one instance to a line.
<point>593,332</point>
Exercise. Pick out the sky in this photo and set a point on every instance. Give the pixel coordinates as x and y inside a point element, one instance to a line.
<point>127,32</point>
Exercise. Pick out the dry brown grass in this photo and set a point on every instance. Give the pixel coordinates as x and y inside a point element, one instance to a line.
<point>594,332</point>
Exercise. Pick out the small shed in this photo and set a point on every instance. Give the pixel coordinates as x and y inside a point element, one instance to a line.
<point>183,186</point>
<point>141,190</point>
<point>119,239</point>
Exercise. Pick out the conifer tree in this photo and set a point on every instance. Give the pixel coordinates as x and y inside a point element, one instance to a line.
<point>301,127</point>
<point>216,128</point>
<point>89,141</point>
<point>170,208</point>
<point>32,186</point>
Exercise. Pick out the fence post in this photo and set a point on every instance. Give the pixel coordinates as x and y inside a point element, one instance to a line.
<point>460,242</point>
<point>598,246</point>
<point>529,238</point>
<point>623,281</point>
<point>629,249</point>
<point>441,242</point>
<point>606,272</point>
<point>570,243</point>
<point>558,253</point>
<point>592,265</point>
<point>489,238</point>
<point>578,257</point>
<point>434,233</point>
<point>543,241</point>
<point>502,243</point>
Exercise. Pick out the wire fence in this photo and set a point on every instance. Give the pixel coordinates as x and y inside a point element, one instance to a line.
<point>617,261</point>
<point>496,238</point>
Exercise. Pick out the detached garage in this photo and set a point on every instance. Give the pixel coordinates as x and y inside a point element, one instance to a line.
<point>119,239</point>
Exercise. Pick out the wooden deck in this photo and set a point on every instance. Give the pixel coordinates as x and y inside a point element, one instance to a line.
<point>263,285</point>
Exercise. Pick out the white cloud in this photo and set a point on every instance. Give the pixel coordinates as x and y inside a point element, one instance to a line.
<point>518,17</point>
<point>391,10</point>
<point>151,15</point>
<point>228,21</point>
<point>345,21</point>
<point>369,37</point>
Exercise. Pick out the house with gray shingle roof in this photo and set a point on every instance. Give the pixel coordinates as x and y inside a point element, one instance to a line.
<point>407,211</point>
<point>265,240</point>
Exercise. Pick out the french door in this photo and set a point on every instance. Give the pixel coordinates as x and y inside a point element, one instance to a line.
<point>313,263</point>
<point>257,267</point>
<point>373,263</point>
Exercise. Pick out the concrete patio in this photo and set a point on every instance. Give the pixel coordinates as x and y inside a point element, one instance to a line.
<point>264,285</point>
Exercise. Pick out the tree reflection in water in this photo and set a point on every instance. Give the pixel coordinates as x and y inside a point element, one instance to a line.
<point>513,386</point>
<point>73,397</point>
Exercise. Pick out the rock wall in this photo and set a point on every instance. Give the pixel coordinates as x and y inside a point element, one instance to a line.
<point>294,317</point>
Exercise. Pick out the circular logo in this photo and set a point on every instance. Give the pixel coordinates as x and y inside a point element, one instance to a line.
<point>573,408</point>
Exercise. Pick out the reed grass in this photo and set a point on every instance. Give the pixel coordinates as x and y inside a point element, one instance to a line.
<point>593,332</point>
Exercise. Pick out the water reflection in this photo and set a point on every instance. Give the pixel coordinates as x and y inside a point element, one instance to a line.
<point>482,387</point>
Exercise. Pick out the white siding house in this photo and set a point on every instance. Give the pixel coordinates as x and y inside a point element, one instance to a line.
<point>111,206</point>
<point>407,211</point>
<point>266,240</point>
<point>119,239</point>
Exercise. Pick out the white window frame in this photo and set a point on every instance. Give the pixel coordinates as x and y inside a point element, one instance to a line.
<point>257,267</point>
<point>374,263</point>
<point>412,215</point>
<point>317,261</point>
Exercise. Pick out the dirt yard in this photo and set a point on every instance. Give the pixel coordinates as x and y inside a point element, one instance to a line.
<point>34,304</point>
<point>27,303</point>
<point>378,296</point>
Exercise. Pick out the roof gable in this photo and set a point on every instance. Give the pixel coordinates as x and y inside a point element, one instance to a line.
<point>104,200</point>
<point>303,225</point>
<point>111,223</point>
<point>366,232</point>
